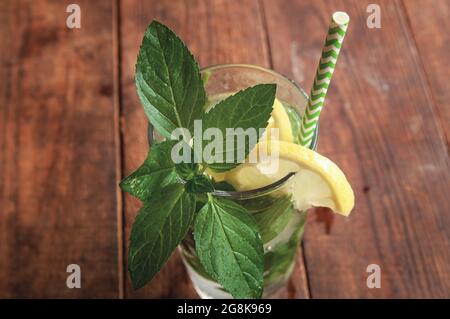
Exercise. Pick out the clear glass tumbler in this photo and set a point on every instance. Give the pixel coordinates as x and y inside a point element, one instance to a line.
<point>280,247</point>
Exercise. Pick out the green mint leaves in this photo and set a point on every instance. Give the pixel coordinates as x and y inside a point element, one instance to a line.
<point>157,171</point>
<point>178,197</point>
<point>159,227</point>
<point>200,184</point>
<point>230,248</point>
<point>247,110</point>
<point>275,218</point>
<point>168,81</point>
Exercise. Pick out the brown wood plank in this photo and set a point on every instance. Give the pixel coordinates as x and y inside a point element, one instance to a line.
<point>379,126</point>
<point>430,24</point>
<point>216,32</point>
<point>57,160</point>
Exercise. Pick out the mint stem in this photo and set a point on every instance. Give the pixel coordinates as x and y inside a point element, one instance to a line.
<point>204,167</point>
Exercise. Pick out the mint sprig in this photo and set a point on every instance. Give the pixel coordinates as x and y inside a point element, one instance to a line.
<point>200,184</point>
<point>157,171</point>
<point>230,248</point>
<point>248,109</point>
<point>168,81</point>
<point>177,196</point>
<point>275,218</point>
<point>159,227</point>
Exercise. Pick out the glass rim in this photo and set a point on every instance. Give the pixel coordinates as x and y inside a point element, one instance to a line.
<point>260,191</point>
<point>255,67</point>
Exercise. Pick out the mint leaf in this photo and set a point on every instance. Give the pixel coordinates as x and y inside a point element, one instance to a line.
<point>275,218</point>
<point>159,227</point>
<point>249,108</point>
<point>199,184</point>
<point>295,120</point>
<point>223,186</point>
<point>186,171</point>
<point>280,259</point>
<point>230,248</point>
<point>168,81</point>
<point>157,171</point>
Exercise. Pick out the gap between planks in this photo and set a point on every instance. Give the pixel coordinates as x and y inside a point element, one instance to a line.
<point>118,148</point>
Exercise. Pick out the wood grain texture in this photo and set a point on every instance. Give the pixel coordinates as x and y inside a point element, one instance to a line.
<point>379,126</point>
<point>429,23</point>
<point>216,32</point>
<point>57,178</point>
<point>386,123</point>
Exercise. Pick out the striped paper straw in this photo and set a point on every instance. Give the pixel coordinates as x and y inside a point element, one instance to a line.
<point>330,53</point>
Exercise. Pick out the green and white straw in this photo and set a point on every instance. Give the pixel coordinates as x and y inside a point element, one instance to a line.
<point>327,63</point>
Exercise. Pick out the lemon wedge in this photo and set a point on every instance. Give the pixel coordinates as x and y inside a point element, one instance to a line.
<point>279,119</point>
<point>318,182</point>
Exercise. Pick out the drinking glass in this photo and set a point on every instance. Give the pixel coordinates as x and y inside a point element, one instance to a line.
<point>280,247</point>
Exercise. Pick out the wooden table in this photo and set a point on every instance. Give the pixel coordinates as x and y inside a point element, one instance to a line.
<point>71,127</point>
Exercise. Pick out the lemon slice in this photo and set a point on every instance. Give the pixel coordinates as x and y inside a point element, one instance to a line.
<point>318,182</point>
<point>279,119</point>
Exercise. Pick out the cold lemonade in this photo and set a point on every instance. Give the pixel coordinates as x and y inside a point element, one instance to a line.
<point>232,168</point>
<point>268,199</point>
